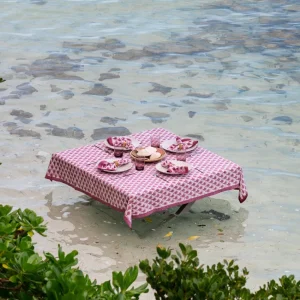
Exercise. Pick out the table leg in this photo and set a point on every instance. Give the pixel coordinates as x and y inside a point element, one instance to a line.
<point>184,208</point>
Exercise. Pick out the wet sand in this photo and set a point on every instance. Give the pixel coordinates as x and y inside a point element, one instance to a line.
<point>226,71</point>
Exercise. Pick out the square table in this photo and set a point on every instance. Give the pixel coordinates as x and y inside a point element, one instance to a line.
<point>143,193</point>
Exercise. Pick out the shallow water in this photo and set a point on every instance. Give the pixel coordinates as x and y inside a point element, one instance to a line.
<point>225,70</point>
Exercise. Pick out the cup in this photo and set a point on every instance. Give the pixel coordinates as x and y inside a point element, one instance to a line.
<point>118,152</point>
<point>139,163</point>
<point>155,140</point>
<point>181,155</point>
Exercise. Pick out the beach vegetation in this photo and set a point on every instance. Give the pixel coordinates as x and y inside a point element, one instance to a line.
<point>27,275</point>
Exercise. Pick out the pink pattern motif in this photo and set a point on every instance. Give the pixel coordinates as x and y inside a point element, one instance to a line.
<point>182,144</point>
<point>178,169</point>
<point>120,141</point>
<point>143,193</point>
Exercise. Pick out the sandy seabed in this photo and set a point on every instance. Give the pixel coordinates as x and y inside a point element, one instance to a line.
<point>224,71</point>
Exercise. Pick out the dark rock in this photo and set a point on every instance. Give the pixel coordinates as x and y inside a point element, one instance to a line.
<point>220,105</point>
<point>243,89</point>
<point>55,65</point>
<point>160,88</point>
<point>12,96</point>
<point>188,45</point>
<point>131,54</point>
<point>67,94</point>
<point>105,132</point>
<point>21,113</point>
<point>198,137</point>
<point>191,73</point>
<point>99,90</point>
<point>105,76</point>
<point>109,44</point>
<point>114,70</point>
<point>2,102</point>
<point>278,91</point>
<point>25,132</point>
<point>54,88</point>
<point>10,125</point>
<point>47,113</point>
<point>24,89</point>
<point>147,65</point>
<point>134,112</point>
<point>47,125</point>
<point>43,107</point>
<point>38,2</point>
<point>282,120</point>
<point>106,99</point>
<point>185,86</point>
<point>200,95</point>
<point>191,114</point>
<point>247,118</point>
<point>71,132</point>
<point>109,120</point>
<point>217,215</point>
<point>187,101</point>
<point>157,117</point>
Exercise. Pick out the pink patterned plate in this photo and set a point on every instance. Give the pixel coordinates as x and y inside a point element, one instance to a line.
<point>120,169</point>
<point>178,163</point>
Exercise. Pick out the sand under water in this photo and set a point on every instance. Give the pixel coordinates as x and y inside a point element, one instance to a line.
<point>225,71</point>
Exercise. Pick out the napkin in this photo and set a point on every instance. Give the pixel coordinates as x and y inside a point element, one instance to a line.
<point>182,144</point>
<point>112,166</point>
<point>120,141</point>
<point>172,168</point>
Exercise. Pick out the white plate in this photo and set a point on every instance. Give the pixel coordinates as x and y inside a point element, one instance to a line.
<point>134,142</point>
<point>119,169</point>
<point>166,144</point>
<point>178,163</point>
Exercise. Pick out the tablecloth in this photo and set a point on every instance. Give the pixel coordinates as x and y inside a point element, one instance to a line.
<point>143,193</point>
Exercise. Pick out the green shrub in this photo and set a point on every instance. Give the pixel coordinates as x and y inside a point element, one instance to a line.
<point>26,275</point>
<point>2,80</point>
<point>181,277</point>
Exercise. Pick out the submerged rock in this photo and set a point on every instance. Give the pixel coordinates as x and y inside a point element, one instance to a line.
<point>200,95</point>
<point>55,65</point>
<point>147,65</point>
<point>191,114</point>
<point>24,89</point>
<point>280,120</point>
<point>10,125</point>
<point>198,137</point>
<point>157,117</point>
<point>66,94</point>
<point>70,132</point>
<point>216,215</point>
<point>54,88</point>
<point>131,54</point>
<point>160,88</point>
<point>105,132</point>
<point>108,44</point>
<point>25,132</point>
<point>109,120</point>
<point>2,101</point>
<point>105,76</point>
<point>21,113</point>
<point>43,107</point>
<point>247,118</point>
<point>185,86</point>
<point>99,90</point>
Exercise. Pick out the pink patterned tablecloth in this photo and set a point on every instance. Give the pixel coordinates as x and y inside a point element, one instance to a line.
<point>143,193</point>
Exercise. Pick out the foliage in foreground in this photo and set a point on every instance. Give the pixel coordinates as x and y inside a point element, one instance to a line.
<point>181,277</point>
<point>2,80</point>
<point>26,275</point>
